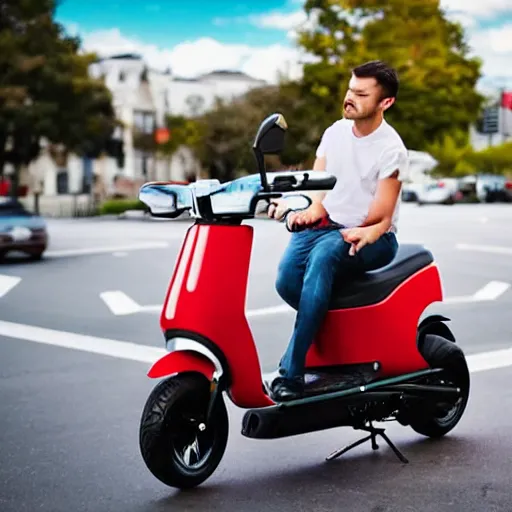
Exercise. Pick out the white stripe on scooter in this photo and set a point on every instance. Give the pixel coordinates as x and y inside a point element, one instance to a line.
<point>145,354</point>
<point>172,302</point>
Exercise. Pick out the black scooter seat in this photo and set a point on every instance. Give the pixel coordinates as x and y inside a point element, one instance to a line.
<point>374,286</point>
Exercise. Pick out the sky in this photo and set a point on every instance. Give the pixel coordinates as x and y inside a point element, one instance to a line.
<point>256,37</point>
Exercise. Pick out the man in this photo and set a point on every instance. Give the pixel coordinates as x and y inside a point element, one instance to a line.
<point>357,218</point>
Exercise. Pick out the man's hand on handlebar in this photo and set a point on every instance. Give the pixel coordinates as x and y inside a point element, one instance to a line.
<point>277,209</point>
<point>307,217</point>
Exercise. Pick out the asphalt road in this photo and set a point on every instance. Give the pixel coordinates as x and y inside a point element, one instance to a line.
<point>71,399</point>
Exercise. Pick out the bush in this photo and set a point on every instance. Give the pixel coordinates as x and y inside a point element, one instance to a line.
<point>117,206</point>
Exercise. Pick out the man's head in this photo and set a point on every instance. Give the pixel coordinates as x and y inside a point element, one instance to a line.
<point>372,89</point>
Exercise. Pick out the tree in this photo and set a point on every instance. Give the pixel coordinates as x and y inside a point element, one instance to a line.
<point>454,160</point>
<point>226,132</point>
<point>493,159</point>
<point>45,89</point>
<point>438,78</point>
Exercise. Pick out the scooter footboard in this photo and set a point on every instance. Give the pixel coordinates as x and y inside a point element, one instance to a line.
<point>376,401</point>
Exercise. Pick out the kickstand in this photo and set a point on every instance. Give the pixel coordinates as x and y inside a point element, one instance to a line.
<point>374,432</point>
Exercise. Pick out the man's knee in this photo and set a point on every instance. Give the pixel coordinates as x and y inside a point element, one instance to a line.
<point>288,284</point>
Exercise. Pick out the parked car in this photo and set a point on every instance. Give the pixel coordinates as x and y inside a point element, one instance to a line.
<point>445,191</point>
<point>21,230</point>
<point>493,188</point>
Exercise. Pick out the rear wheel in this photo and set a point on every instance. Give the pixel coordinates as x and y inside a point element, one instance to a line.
<point>178,445</point>
<point>439,419</point>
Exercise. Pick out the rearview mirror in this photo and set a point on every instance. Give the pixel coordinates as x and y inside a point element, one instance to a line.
<point>166,199</point>
<point>269,140</point>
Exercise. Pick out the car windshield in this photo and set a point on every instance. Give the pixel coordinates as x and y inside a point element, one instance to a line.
<point>9,207</point>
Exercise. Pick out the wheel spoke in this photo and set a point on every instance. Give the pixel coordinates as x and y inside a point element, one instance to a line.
<point>192,451</point>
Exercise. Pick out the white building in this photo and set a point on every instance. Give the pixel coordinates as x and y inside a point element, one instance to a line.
<point>141,98</point>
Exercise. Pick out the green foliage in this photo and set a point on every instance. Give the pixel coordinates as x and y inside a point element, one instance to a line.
<point>438,79</point>
<point>117,206</point>
<point>456,159</point>
<point>452,157</point>
<point>183,132</point>
<point>45,88</point>
<point>493,160</point>
<point>225,134</point>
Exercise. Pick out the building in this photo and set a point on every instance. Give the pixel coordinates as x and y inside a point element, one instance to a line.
<point>142,97</point>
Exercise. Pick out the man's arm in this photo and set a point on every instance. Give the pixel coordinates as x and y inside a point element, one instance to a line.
<point>380,214</point>
<point>318,165</point>
<point>383,206</point>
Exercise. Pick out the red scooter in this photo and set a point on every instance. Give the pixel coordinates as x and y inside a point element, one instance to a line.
<point>372,360</point>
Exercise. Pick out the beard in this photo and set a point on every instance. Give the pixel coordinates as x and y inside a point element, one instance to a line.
<point>351,111</point>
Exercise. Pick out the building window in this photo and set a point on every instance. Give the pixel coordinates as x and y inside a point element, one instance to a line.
<point>144,122</point>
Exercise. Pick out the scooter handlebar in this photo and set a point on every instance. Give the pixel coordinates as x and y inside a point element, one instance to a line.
<point>210,200</point>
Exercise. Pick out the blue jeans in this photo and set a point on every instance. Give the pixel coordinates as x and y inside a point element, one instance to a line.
<point>312,262</point>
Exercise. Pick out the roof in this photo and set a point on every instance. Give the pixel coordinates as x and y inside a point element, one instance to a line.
<point>124,56</point>
<point>230,73</point>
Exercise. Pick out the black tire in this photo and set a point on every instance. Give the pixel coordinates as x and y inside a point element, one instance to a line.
<point>440,352</point>
<point>36,257</point>
<point>171,425</point>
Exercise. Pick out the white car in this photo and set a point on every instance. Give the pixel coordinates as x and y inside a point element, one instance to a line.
<point>443,191</point>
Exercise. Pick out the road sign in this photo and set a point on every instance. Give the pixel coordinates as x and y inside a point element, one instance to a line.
<point>490,121</point>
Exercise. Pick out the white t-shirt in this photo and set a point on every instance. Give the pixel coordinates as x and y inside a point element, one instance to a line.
<point>358,163</point>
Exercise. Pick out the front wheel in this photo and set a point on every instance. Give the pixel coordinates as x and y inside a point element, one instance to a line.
<point>178,445</point>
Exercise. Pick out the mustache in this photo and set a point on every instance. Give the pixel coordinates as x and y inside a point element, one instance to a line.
<point>347,103</point>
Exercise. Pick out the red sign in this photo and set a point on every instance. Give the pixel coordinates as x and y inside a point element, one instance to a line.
<point>162,135</point>
<point>506,100</point>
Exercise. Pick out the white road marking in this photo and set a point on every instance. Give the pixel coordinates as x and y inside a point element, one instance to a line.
<point>7,283</point>
<point>101,250</point>
<point>103,346</point>
<point>491,291</point>
<point>492,249</point>
<point>121,304</point>
<point>481,362</point>
<point>490,360</point>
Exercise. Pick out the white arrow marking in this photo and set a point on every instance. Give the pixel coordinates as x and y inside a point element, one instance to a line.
<point>121,304</point>
<point>125,350</point>
<point>7,283</point>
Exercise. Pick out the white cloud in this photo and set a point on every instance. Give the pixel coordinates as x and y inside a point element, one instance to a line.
<point>465,19</point>
<point>191,58</point>
<point>279,20</point>
<point>480,8</point>
<point>494,47</point>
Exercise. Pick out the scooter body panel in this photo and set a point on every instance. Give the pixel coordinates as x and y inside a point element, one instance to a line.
<point>385,332</point>
<point>207,296</point>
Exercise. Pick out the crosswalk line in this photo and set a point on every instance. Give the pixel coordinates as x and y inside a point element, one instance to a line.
<point>7,283</point>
